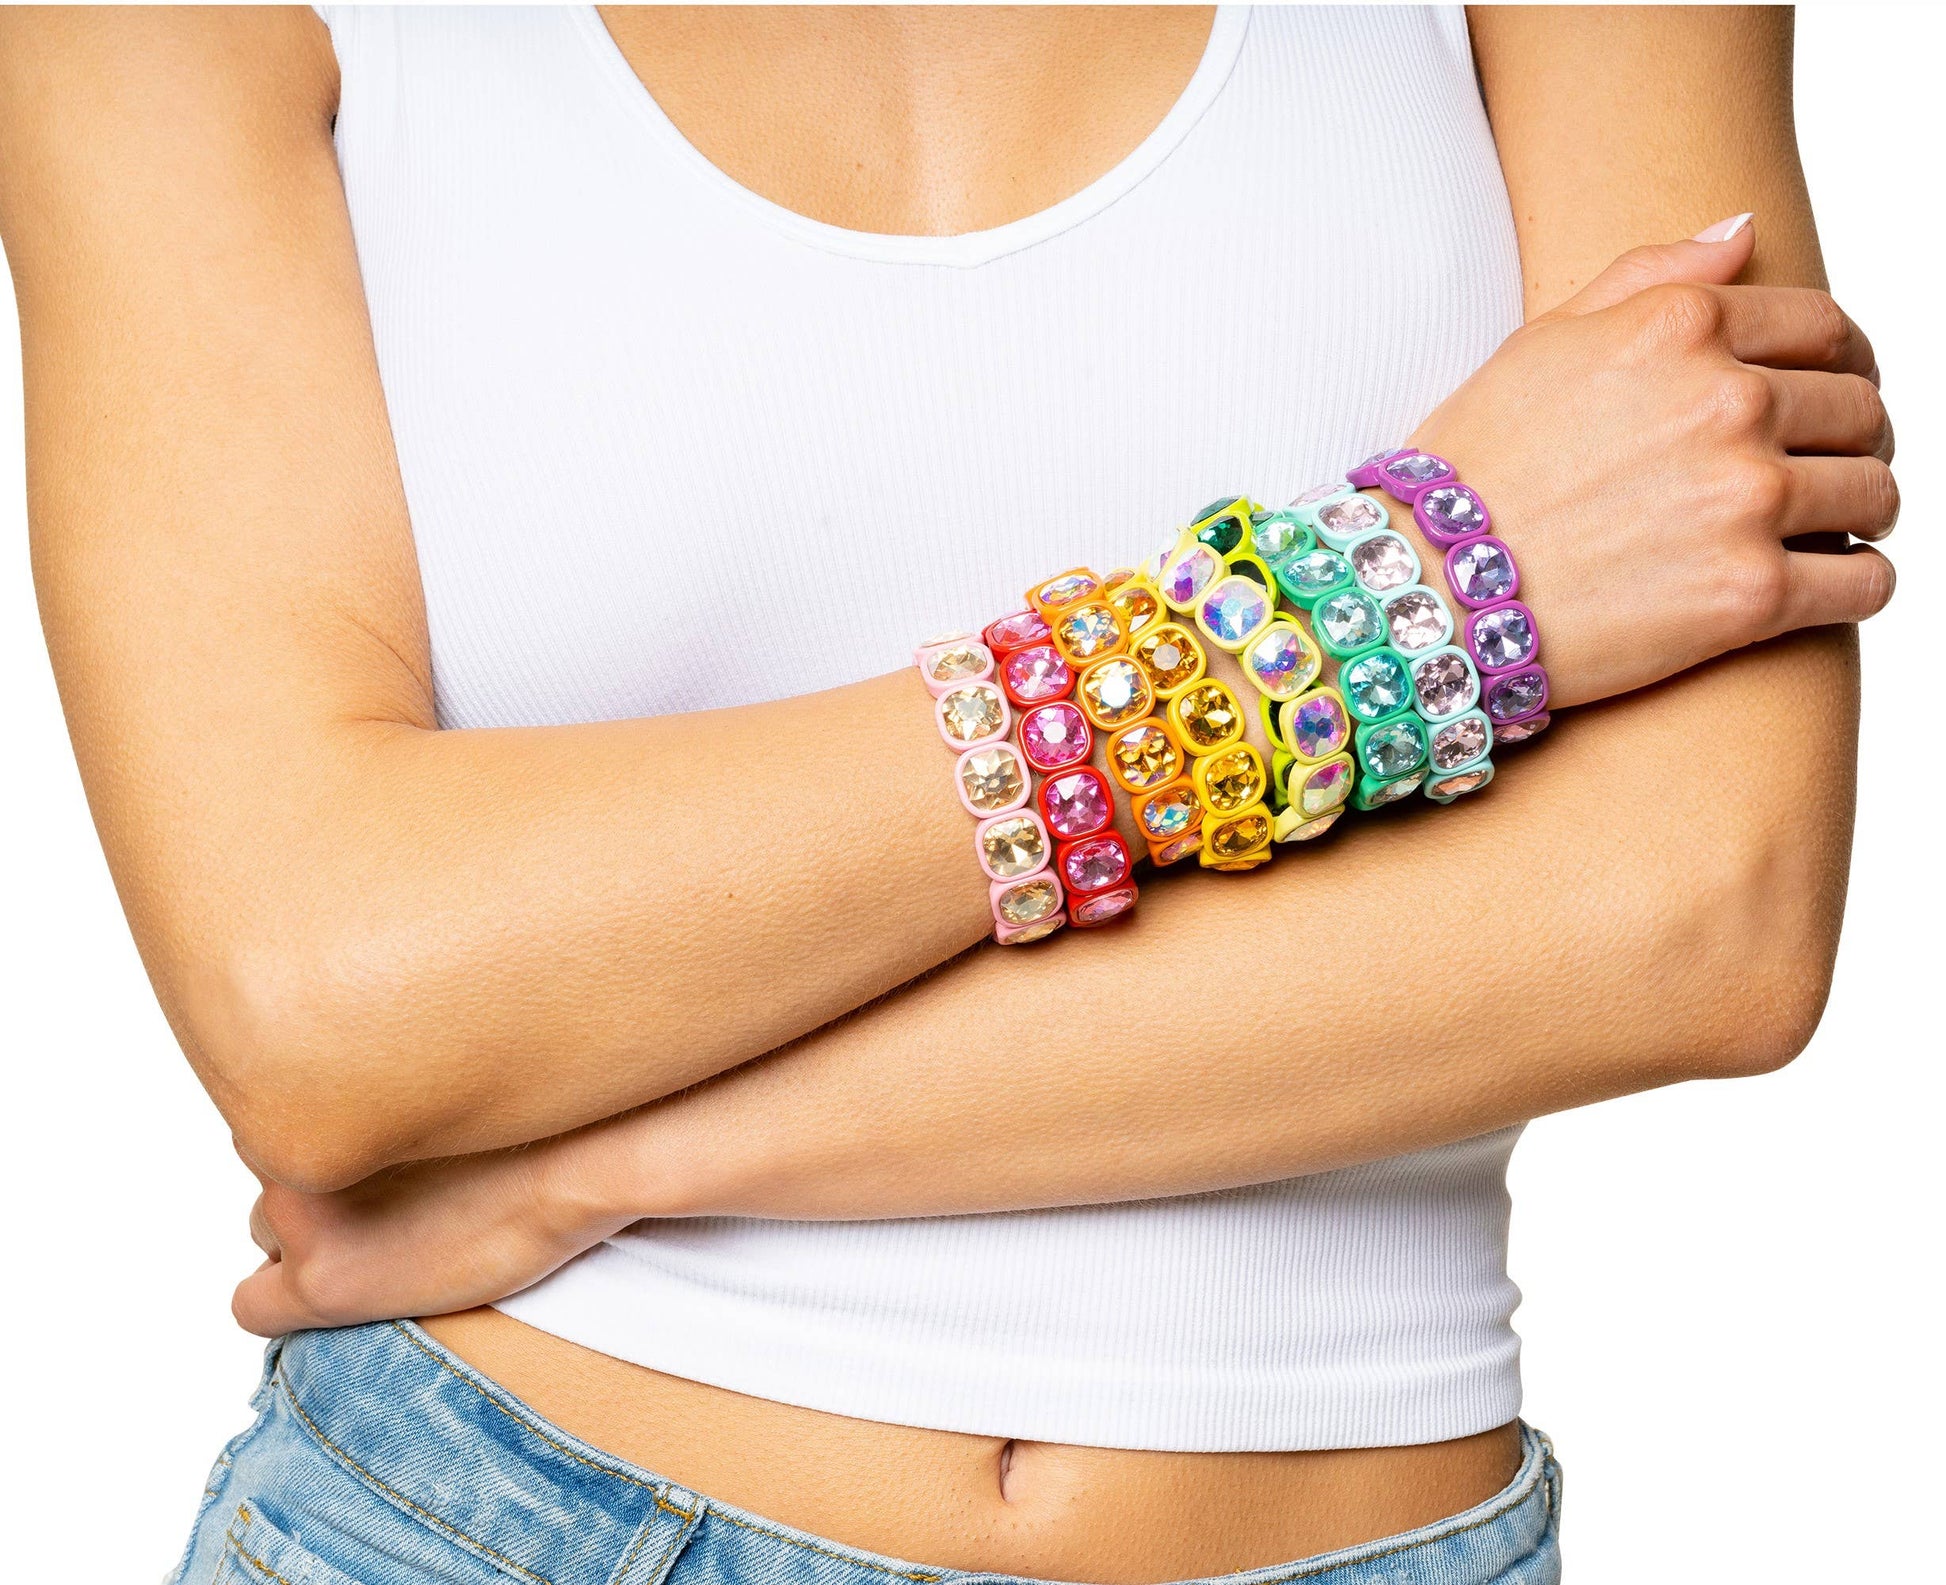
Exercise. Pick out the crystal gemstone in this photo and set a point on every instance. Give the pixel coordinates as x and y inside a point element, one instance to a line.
<point>1415,469</point>
<point>1222,535</point>
<point>1453,511</point>
<point>1465,781</point>
<point>1095,863</point>
<point>1279,534</point>
<point>1115,690</point>
<point>1417,620</point>
<point>1459,743</point>
<point>974,712</point>
<point>1392,792</point>
<point>1235,609</point>
<point>1353,515</point>
<point>1146,756</point>
<point>1445,683</point>
<point>1521,731</point>
<point>1324,492</point>
<point>1077,804</point>
<point>1376,686</point>
<point>1181,848</point>
<point>1482,572</point>
<point>1013,845</point>
<point>959,662</point>
<point>1503,637</point>
<point>992,778</point>
<point>1318,728</point>
<point>1065,590</point>
<point>1235,837</point>
<point>1037,673</point>
<point>1018,630</point>
<point>1210,715</point>
<point>1518,695</point>
<point>1036,932</point>
<point>1088,631</point>
<point>1138,606</point>
<point>1383,562</point>
<point>1315,572</point>
<point>1324,788</point>
<point>1094,910</point>
<point>1030,900</point>
<point>1171,655</point>
<point>1348,621</point>
<point>1054,736</point>
<point>1189,574</point>
<point>1283,662</point>
<point>1393,749</point>
<point>1170,813</point>
<point>1234,779</point>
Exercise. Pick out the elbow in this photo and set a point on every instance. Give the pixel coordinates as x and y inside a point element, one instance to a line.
<point>273,1048</point>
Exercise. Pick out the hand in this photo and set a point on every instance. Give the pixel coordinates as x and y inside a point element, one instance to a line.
<point>1650,448</point>
<point>424,1239</point>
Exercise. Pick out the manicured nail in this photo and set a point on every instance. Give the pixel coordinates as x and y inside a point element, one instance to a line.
<point>1723,230</point>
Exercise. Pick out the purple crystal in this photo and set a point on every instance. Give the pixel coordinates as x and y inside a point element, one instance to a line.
<point>1452,511</point>
<point>1482,572</point>
<point>1509,698</point>
<point>1503,637</point>
<point>1318,726</point>
<point>1416,468</point>
<point>1521,731</point>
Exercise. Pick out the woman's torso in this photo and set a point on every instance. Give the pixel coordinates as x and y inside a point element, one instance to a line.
<point>670,445</point>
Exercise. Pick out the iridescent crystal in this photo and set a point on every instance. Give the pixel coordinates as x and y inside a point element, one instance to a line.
<point>959,662</point>
<point>973,712</point>
<point>1116,690</point>
<point>1077,804</point>
<point>1316,572</point>
<point>1283,662</point>
<point>1171,655</point>
<point>1416,468</point>
<point>1502,637</point>
<point>1392,749</point>
<point>1348,621</point>
<point>1234,779</point>
<point>1391,792</point>
<point>1445,683</point>
<point>1065,590</point>
<point>1458,743</point>
<point>1465,781</point>
<point>1210,715</point>
<point>1324,788</point>
<point>1054,736</point>
<point>1417,620</point>
<point>1169,814</point>
<point>1316,726</point>
<point>1013,845</point>
<point>992,778</point>
<point>1376,686</point>
<point>1093,910</point>
<point>1234,609</point>
<point>1138,606</point>
<point>1094,864</point>
<point>1277,534</point>
<point>1353,515</point>
<point>1482,572</point>
<point>1453,511</point>
<point>1290,827</point>
<point>1517,695</point>
<point>1088,631</point>
<point>1037,673</point>
<point>1521,731</point>
<point>1012,632</point>
<point>1189,574</point>
<point>1382,562</point>
<point>1181,848</point>
<point>1145,756</point>
<point>1029,900</point>
<point>1237,837</point>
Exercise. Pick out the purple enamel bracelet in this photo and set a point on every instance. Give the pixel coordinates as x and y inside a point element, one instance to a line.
<point>1498,630</point>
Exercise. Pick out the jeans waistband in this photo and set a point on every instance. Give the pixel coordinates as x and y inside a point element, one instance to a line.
<point>462,1456</point>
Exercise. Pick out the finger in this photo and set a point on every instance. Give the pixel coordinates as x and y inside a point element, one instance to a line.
<point>1840,495</point>
<point>1825,589</point>
<point>1795,327</point>
<point>1713,263</point>
<point>1838,415</point>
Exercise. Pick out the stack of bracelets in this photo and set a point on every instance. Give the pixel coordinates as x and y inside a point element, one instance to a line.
<point>1418,703</point>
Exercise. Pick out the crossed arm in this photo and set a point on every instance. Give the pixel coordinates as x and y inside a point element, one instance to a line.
<point>379,942</point>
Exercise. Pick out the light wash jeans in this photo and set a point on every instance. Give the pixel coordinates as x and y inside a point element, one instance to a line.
<point>378,1458</point>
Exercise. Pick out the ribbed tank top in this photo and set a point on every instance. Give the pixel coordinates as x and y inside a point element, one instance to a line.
<point>668,446</point>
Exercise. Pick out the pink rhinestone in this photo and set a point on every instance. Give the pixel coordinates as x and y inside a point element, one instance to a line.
<point>1055,736</point>
<point>1076,804</point>
<point>1016,631</point>
<point>1094,864</point>
<point>1037,673</point>
<point>1383,563</point>
<point>1521,731</point>
<point>1093,910</point>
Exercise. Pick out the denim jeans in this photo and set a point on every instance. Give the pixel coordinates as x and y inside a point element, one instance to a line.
<point>378,1458</point>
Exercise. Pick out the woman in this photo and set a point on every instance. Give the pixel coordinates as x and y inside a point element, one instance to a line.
<point>620,391</point>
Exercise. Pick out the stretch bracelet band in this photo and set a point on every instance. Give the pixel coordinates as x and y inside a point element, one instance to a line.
<point>993,782</point>
<point>1497,630</point>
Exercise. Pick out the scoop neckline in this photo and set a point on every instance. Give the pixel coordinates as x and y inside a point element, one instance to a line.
<point>968,248</point>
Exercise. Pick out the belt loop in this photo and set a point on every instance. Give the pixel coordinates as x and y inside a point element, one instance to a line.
<point>653,1550</point>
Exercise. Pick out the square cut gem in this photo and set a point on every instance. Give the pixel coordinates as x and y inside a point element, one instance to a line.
<point>1169,813</point>
<point>1445,682</point>
<point>1458,743</point>
<point>1382,562</point>
<point>1316,726</point>
<point>1481,572</point>
<point>1234,611</point>
<point>1115,691</point>
<point>1055,736</point>
<point>1321,788</point>
<point>1095,863</point>
<point>1035,674</point>
<point>966,661</point>
<point>1076,803</point>
<point>1376,686</point>
<point>1417,620</point>
<point>1208,717</point>
<point>973,713</point>
<point>1233,779</point>
<point>1144,756</point>
<point>1016,632</point>
<point>1344,520</point>
<point>1502,636</point>
<point>1516,695</point>
<point>1444,789</point>
<point>1103,906</point>
<point>1309,576</point>
<point>1012,846</point>
<point>1192,570</point>
<point>1348,622</point>
<point>1282,661</point>
<point>1395,748</point>
<point>1063,591</point>
<point>1027,902</point>
<point>992,779</point>
<point>1291,827</point>
<point>1088,631</point>
<point>1172,656</point>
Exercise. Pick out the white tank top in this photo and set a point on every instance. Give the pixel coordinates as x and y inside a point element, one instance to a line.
<point>649,421</point>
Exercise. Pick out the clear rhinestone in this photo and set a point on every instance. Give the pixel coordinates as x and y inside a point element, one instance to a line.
<point>1279,534</point>
<point>1383,562</point>
<point>1348,621</point>
<point>973,712</point>
<point>1416,468</point>
<point>1376,686</point>
<point>1324,789</point>
<point>1235,609</point>
<point>1417,620</point>
<point>991,778</point>
<point>1355,514</point>
<point>1393,749</point>
<point>1445,683</point>
<point>1459,743</point>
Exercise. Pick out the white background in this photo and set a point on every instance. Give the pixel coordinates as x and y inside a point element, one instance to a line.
<point>1730,1288</point>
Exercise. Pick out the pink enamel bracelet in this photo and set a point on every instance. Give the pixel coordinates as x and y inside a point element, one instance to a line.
<point>993,782</point>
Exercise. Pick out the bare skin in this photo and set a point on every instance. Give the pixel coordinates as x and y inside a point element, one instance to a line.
<point>313,756</point>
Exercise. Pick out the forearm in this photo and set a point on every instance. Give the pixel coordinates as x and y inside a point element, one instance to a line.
<point>1648,901</point>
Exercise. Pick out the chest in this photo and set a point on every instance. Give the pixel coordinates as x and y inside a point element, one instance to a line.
<point>669,446</point>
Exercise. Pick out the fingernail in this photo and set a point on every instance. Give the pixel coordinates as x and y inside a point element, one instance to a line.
<point>1723,230</point>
